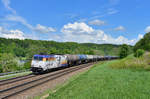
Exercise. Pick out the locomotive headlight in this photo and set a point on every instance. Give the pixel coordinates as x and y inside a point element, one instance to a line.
<point>40,66</point>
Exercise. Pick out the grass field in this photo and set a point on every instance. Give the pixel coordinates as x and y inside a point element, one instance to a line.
<point>104,82</point>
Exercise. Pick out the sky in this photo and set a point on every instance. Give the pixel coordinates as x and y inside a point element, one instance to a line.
<point>82,21</point>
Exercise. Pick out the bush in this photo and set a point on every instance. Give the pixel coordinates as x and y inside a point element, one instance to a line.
<point>139,53</point>
<point>27,65</point>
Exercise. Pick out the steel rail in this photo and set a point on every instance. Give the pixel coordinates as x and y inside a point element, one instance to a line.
<point>15,79</point>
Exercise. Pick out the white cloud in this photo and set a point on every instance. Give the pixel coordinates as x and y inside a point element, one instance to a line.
<point>97,22</point>
<point>7,6</point>
<point>16,18</point>
<point>43,29</point>
<point>112,11</point>
<point>38,28</point>
<point>82,33</point>
<point>147,29</point>
<point>119,28</point>
<point>106,12</point>
<point>3,31</point>
<point>123,40</point>
<point>17,34</point>
<point>77,28</point>
<point>140,36</point>
<point>20,19</point>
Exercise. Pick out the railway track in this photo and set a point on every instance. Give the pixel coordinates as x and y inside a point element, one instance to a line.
<point>15,79</point>
<point>12,87</point>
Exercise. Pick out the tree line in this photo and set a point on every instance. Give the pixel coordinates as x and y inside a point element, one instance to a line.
<point>140,47</point>
<point>13,50</point>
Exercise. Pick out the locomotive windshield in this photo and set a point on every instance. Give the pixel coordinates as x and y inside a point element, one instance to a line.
<point>38,58</point>
<point>43,57</point>
<point>35,58</point>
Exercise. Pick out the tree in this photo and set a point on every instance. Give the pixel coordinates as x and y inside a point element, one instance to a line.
<point>139,53</point>
<point>53,51</point>
<point>144,43</point>
<point>8,62</point>
<point>89,52</point>
<point>19,52</point>
<point>124,51</point>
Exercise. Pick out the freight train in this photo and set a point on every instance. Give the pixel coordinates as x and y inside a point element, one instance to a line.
<point>44,63</point>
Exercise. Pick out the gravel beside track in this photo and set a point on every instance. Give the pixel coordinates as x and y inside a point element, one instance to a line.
<point>13,89</point>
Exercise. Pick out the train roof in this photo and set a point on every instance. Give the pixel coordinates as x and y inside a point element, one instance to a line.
<point>44,56</point>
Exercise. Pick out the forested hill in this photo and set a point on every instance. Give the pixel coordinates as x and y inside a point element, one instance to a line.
<point>144,43</point>
<point>27,48</point>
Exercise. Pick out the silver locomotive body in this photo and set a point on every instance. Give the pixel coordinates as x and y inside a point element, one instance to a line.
<point>41,63</point>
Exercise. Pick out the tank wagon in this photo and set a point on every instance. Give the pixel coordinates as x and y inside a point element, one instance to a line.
<point>82,58</point>
<point>43,63</point>
<point>72,59</point>
<point>89,58</point>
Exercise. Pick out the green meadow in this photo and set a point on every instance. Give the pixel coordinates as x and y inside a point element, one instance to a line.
<point>104,81</point>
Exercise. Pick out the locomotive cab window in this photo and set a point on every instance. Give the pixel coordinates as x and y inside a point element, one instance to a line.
<point>40,58</point>
<point>35,58</point>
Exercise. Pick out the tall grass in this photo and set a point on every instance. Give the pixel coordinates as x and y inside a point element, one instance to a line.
<point>131,62</point>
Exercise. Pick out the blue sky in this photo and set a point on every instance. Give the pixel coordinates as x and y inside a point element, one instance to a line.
<point>94,21</point>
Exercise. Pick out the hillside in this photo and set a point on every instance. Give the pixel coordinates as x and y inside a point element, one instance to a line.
<point>144,43</point>
<point>27,47</point>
